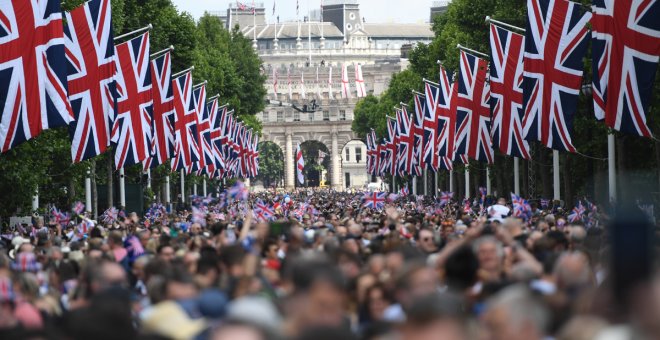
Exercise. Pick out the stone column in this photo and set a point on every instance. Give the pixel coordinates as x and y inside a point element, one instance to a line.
<point>336,167</point>
<point>288,163</point>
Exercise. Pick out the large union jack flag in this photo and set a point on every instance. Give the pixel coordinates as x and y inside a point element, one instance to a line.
<point>430,154</point>
<point>132,127</point>
<point>555,43</point>
<point>391,145</point>
<point>506,94</point>
<point>406,142</point>
<point>370,152</point>
<point>473,110</point>
<point>218,116</point>
<point>446,118</point>
<point>418,134</point>
<point>203,129</point>
<point>185,123</point>
<point>625,49</point>
<point>33,88</point>
<point>91,70</point>
<point>162,141</point>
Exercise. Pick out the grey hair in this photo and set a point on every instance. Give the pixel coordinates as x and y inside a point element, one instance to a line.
<point>522,307</point>
<point>486,239</point>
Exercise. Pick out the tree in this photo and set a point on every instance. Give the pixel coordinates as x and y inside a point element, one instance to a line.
<point>271,164</point>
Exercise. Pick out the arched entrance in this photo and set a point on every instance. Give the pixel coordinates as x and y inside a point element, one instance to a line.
<point>317,164</point>
<point>271,165</point>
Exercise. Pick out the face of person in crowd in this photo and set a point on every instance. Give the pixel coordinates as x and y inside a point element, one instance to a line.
<point>323,305</point>
<point>167,253</point>
<point>377,303</point>
<point>195,229</point>
<point>426,241</point>
<point>271,252</point>
<point>488,256</point>
<point>423,281</point>
<point>447,229</point>
<point>237,332</point>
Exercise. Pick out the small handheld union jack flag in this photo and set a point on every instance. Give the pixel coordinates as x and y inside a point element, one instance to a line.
<point>445,197</point>
<point>374,200</point>
<point>577,213</point>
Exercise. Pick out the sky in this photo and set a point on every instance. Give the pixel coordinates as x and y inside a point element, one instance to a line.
<point>376,11</point>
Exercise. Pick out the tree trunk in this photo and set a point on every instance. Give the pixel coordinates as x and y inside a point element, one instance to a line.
<point>568,188</point>
<point>110,184</point>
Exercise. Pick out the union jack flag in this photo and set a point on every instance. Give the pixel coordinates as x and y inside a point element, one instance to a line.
<point>217,118</point>
<point>473,110</point>
<point>418,134</point>
<point>404,191</point>
<point>78,208</point>
<point>32,71</point>
<point>370,153</point>
<point>625,50</point>
<point>132,126</point>
<point>446,117</point>
<point>185,124</point>
<point>430,154</point>
<point>406,142</point>
<point>555,43</point>
<point>133,247</point>
<point>162,141</point>
<point>91,70</point>
<point>577,214</point>
<point>374,200</point>
<point>506,96</point>
<point>445,197</point>
<point>203,131</point>
<point>263,211</point>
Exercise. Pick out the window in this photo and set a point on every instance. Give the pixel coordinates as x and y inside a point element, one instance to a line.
<point>342,114</point>
<point>280,116</point>
<point>348,154</point>
<point>358,154</point>
<point>326,115</point>
<point>310,116</point>
<point>296,116</point>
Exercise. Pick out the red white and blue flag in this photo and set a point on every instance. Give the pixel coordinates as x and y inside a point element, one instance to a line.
<point>391,145</point>
<point>263,211</point>
<point>430,154</point>
<point>506,94</point>
<point>555,43</point>
<point>374,200</point>
<point>418,134</point>
<point>217,118</point>
<point>185,123</point>
<point>473,110</point>
<point>625,40</point>
<point>91,71</point>
<point>406,143</point>
<point>577,214</point>
<point>203,130</point>
<point>32,70</point>
<point>162,141</point>
<point>446,118</point>
<point>132,126</point>
<point>446,197</point>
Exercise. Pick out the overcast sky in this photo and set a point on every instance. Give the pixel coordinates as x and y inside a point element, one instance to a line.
<point>403,11</point>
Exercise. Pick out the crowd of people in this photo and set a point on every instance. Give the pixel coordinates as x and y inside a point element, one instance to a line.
<point>317,264</point>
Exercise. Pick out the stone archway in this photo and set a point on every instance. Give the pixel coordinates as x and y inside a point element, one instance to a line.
<point>334,134</point>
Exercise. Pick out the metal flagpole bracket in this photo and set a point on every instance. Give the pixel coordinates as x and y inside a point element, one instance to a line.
<point>153,55</point>
<point>430,82</point>
<point>418,93</point>
<point>213,97</point>
<point>503,24</point>
<point>200,84</point>
<point>223,106</point>
<point>191,68</point>
<point>403,104</point>
<point>137,31</point>
<point>469,50</point>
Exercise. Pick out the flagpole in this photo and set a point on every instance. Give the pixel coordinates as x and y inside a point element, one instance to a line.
<point>191,68</point>
<point>469,50</point>
<point>503,24</point>
<point>435,175</point>
<point>137,31</point>
<point>467,182</point>
<point>414,185</point>
<point>149,178</point>
<point>555,175</point>
<point>166,190</point>
<point>488,184</point>
<point>183,186</point>
<point>516,175</point>
<point>88,192</point>
<point>122,189</point>
<point>204,187</point>
<point>426,182</point>
<point>153,55</point>
<point>611,167</point>
<point>451,180</point>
